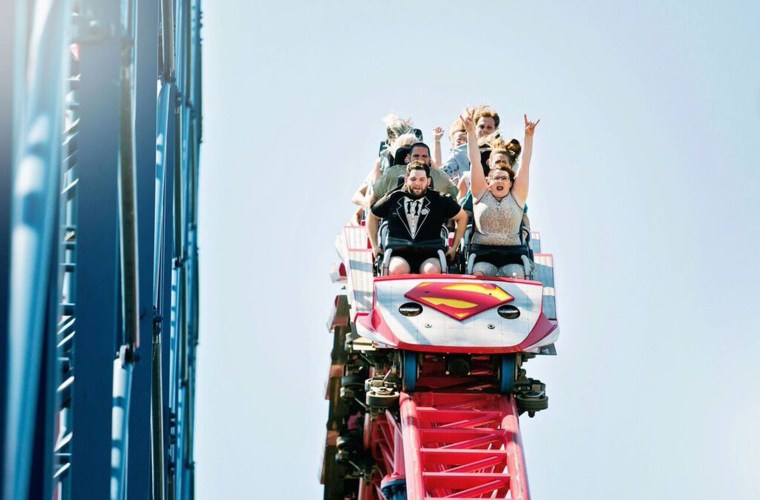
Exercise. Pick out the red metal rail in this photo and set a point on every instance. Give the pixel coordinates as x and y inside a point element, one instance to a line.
<point>449,445</point>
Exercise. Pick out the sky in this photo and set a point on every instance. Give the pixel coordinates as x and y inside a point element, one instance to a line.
<point>644,188</point>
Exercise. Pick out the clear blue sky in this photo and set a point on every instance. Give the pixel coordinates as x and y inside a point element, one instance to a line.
<point>645,188</point>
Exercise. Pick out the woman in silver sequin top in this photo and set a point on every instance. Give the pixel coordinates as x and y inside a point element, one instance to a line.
<point>498,201</point>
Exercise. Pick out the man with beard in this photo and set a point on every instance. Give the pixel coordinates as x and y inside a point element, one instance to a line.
<point>389,180</point>
<point>415,216</point>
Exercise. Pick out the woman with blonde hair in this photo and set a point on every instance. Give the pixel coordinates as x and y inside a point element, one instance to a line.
<point>399,132</point>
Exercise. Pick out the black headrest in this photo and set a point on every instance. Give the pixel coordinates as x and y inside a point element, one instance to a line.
<point>401,154</point>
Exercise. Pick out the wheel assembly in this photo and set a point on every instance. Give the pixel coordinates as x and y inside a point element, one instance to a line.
<point>409,370</point>
<point>507,373</point>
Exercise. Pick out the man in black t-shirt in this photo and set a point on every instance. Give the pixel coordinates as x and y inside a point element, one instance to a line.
<point>415,215</point>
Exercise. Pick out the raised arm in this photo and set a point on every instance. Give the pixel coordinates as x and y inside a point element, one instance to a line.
<point>437,157</point>
<point>478,183</point>
<point>522,179</point>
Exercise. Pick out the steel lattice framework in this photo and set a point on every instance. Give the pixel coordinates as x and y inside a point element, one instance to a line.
<point>100,129</point>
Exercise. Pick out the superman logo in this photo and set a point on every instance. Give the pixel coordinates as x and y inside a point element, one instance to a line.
<point>460,300</point>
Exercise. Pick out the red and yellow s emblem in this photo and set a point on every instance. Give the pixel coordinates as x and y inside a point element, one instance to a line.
<point>460,300</point>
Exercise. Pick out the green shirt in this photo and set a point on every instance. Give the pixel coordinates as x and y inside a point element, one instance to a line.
<point>389,180</point>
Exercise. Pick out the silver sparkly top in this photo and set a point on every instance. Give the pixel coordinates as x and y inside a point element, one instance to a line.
<point>497,222</point>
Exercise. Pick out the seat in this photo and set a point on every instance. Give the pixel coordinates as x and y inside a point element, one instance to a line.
<point>522,253</point>
<point>517,254</point>
<point>389,244</point>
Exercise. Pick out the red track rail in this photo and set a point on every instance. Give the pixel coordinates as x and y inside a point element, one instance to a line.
<point>450,445</point>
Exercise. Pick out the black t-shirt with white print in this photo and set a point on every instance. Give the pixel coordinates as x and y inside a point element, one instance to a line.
<point>415,219</point>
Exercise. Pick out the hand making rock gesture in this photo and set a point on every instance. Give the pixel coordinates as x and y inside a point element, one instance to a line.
<point>530,126</point>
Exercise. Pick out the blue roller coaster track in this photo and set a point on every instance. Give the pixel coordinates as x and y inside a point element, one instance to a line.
<point>100,130</point>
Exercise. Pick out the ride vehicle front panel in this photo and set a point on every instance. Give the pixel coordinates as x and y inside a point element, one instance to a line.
<point>457,313</point>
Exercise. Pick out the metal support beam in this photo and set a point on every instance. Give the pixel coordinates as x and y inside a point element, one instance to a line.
<point>38,73</point>
<point>41,488</point>
<point>7,62</point>
<point>164,245</point>
<point>138,468</point>
<point>97,248</point>
<point>76,422</point>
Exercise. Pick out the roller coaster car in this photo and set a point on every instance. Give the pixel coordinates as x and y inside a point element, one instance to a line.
<point>453,330</point>
<point>451,345</point>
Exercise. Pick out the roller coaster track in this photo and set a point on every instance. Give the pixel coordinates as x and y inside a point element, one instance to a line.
<point>100,130</point>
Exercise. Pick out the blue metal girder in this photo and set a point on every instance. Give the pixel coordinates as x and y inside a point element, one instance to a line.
<point>33,240</point>
<point>173,304</point>
<point>139,457</point>
<point>192,134</point>
<point>191,264</point>
<point>7,60</point>
<point>166,215</point>
<point>97,248</point>
<point>42,459</point>
<point>165,254</point>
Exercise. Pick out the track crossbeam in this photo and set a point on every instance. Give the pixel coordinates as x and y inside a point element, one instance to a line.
<point>463,446</point>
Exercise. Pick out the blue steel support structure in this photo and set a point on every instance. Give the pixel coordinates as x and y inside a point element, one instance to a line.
<point>34,236</point>
<point>96,239</point>
<point>98,248</point>
<point>7,11</point>
<point>146,55</point>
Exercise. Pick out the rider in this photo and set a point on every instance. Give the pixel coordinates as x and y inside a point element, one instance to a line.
<point>499,205</point>
<point>389,180</point>
<point>399,132</point>
<point>415,216</point>
<point>487,126</point>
